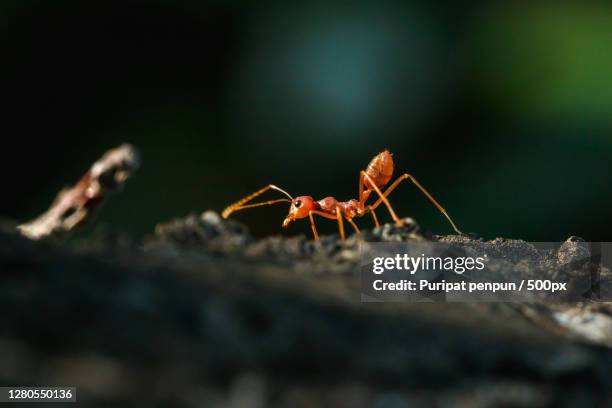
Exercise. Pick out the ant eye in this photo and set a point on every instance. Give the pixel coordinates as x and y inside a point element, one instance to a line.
<point>298,203</point>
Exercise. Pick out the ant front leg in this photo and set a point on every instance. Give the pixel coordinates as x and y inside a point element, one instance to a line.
<point>312,223</point>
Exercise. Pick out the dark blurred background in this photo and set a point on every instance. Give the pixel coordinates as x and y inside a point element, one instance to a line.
<point>503,110</point>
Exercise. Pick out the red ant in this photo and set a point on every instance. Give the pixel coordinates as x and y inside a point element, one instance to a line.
<point>376,176</point>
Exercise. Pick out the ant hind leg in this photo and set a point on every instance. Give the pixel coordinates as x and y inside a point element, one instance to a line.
<point>384,199</point>
<point>425,193</point>
<point>350,220</point>
<point>374,216</point>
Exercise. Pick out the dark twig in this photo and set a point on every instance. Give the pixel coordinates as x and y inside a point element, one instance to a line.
<point>75,205</point>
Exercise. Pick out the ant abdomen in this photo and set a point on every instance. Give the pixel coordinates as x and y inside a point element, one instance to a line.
<point>380,169</point>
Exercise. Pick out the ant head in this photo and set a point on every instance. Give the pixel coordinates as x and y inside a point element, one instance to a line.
<point>300,208</point>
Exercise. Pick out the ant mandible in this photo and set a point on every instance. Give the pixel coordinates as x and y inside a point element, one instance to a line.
<point>376,176</point>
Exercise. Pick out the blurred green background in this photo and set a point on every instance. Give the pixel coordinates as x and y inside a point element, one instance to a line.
<point>503,110</point>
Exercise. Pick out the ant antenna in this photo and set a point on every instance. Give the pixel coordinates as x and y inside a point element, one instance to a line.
<point>241,204</point>
<point>272,186</point>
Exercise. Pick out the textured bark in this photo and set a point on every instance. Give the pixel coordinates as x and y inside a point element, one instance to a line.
<point>205,315</point>
<point>76,205</point>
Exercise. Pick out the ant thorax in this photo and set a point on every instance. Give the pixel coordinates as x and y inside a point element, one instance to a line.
<point>328,204</point>
<point>349,209</point>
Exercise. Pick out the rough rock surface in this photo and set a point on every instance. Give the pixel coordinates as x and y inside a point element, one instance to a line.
<point>202,314</point>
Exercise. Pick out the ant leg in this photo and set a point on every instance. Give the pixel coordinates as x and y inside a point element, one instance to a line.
<point>354,225</point>
<point>424,191</point>
<point>374,216</point>
<point>338,217</point>
<point>361,187</point>
<point>363,197</point>
<point>364,194</point>
<point>312,223</point>
<point>238,205</point>
<point>340,223</point>
<point>383,198</point>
